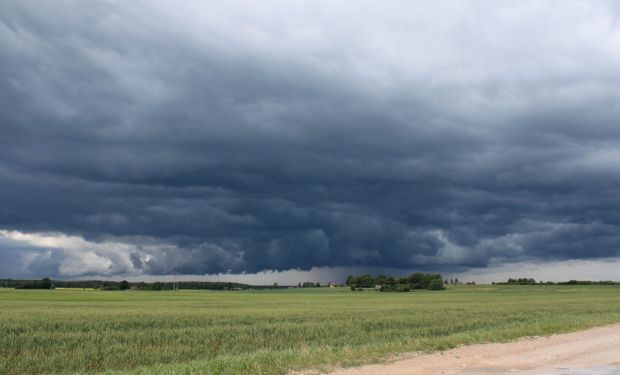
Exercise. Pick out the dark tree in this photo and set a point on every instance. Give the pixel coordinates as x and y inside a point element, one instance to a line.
<point>350,280</point>
<point>123,285</point>
<point>45,283</point>
<point>436,284</point>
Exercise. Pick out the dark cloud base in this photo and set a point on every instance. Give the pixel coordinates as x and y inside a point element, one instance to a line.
<point>214,154</point>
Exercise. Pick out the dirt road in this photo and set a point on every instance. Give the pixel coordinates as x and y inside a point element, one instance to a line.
<point>592,352</point>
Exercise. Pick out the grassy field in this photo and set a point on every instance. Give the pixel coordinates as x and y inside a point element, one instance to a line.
<point>270,332</point>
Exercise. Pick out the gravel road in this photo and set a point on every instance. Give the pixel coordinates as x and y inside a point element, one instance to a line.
<point>592,352</point>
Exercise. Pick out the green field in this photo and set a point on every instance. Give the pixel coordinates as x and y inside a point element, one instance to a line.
<point>270,332</point>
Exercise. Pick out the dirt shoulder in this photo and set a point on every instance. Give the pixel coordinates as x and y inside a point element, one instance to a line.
<point>595,351</point>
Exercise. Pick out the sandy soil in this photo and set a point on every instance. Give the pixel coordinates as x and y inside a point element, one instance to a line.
<point>595,351</point>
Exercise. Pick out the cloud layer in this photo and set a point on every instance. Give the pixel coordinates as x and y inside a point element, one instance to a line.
<point>140,137</point>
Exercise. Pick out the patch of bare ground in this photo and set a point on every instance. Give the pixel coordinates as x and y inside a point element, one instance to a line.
<point>594,351</point>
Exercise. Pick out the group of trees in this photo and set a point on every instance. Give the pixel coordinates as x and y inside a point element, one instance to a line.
<point>44,283</point>
<point>430,281</point>
<point>308,284</point>
<point>520,281</point>
<point>587,282</point>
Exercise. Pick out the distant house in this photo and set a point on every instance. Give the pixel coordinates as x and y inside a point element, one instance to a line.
<point>133,287</point>
<point>378,288</point>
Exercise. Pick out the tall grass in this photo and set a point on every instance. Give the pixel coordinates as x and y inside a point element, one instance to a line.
<point>270,332</point>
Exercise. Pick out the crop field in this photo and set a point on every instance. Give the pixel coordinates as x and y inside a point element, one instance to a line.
<point>271,332</point>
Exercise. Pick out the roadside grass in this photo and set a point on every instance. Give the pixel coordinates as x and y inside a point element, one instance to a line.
<point>272,332</point>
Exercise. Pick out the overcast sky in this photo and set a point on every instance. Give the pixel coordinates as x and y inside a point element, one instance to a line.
<point>309,139</point>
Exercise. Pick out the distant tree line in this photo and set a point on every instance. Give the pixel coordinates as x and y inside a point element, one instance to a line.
<point>530,281</point>
<point>587,282</point>
<point>520,281</point>
<point>383,283</point>
<point>195,285</point>
<point>308,284</point>
<point>44,283</point>
<point>47,283</point>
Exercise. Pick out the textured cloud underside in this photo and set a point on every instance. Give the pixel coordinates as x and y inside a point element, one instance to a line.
<point>136,137</point>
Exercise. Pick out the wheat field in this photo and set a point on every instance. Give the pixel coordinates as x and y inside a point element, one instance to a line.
<point>274,331</point>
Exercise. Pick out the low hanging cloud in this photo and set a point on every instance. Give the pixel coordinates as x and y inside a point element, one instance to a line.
<point>141,137</point>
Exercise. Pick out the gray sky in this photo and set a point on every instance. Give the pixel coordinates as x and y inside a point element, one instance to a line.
<point>309,139</point>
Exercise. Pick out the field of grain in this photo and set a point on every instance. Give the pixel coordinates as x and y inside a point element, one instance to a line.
<point>270,332</point>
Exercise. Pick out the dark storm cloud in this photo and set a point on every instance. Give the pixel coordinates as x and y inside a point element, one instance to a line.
<point>237,139</point>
